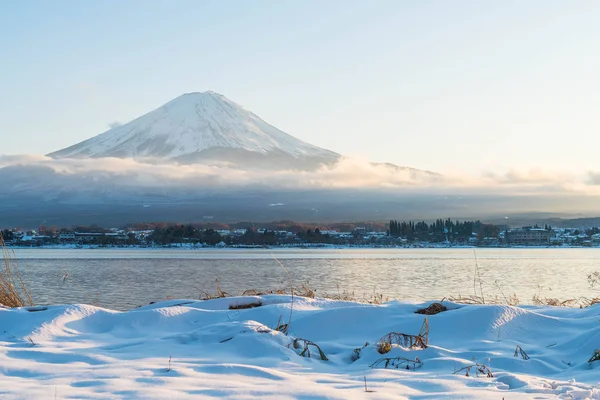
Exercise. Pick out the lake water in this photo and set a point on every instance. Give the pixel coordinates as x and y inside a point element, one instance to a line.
<point>124,279</point>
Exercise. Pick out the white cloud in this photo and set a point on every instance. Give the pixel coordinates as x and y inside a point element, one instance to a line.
<point>348,173</point>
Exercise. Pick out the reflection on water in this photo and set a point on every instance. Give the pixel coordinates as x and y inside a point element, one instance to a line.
<point>123,279</point>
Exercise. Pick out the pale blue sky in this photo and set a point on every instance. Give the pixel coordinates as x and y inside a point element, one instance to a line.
<point>441,85</point>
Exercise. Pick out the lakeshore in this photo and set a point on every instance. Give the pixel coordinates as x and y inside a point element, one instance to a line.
<point>199,246</point>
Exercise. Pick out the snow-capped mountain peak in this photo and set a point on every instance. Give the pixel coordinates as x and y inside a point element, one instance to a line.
<point>199,127</point>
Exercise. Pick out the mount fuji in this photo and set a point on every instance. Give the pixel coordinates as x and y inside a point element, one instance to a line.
<point>201,155</point>
<point>204,128</point>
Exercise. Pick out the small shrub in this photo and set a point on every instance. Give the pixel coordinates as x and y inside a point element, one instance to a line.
<point>420,341</point>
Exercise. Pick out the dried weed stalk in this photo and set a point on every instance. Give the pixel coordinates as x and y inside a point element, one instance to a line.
<point>287,326</point>
<point>13,289</point>
<point>419,341</point>
<point>520,352</point>
<point>367,390</point>
<point>397,363</point>
<point>304,345</point>
<point>480,370</point>
<point>595,356</point>
<point>356,352</point>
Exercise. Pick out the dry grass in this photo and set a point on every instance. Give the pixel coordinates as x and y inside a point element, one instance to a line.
<point>397,363</point>
<point>304,345</point>
<point>466,299</point>
<point>65,277</point>
<point>537,300</point>
<point>254,292</point>
<point>512,300</point>
<point>581,302</point>
<point>478,369</point>
<point>286,329</point>
<point>13,288</point>
<point>304,290</point>
<point>373,298</point>
<point>419,341</point>
<point>281,326</point>
<point>356,352</point>
<point>519,352</point>
<point>204,295</point>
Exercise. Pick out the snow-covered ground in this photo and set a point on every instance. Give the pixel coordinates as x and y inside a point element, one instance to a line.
<point>202,349</point>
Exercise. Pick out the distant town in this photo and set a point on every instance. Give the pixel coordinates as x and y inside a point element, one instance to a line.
<point>441,233</point>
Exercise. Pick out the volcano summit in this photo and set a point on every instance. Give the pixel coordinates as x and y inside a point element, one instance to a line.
<point>203,128</point>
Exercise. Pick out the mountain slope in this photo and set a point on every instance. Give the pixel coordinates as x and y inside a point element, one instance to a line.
<point>202,128</point>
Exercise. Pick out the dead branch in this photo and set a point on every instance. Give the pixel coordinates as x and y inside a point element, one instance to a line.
<point>480,370</point>
<point>595,356</point>
<point>398,363</point>
<point>520,352</point>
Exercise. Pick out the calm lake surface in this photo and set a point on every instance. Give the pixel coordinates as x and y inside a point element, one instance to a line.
<point>123,279</point>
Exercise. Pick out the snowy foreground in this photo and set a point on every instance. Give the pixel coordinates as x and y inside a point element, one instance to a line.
<point>81,351</point>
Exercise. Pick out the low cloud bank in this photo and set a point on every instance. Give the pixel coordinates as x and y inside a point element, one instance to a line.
<point>349,173</point>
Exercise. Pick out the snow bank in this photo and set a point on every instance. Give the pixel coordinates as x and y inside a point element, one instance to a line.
<point>204,349</point>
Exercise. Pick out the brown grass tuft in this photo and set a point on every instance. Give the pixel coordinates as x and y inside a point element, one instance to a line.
<point>13,289</point>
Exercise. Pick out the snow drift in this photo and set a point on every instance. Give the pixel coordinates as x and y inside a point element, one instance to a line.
<point>203,349</point>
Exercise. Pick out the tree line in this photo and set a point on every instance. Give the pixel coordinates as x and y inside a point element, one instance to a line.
<point>442,229</point>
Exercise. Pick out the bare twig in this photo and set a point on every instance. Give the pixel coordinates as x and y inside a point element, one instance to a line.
<point>287,326</point>
<point>366,389</point>
<point>299,343</point>
<point>356,352</point>
<point>398,363</point>
<point>480,370</point>
<point>520,352</point>
<point>476,277</point>
<point>595,356</point>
